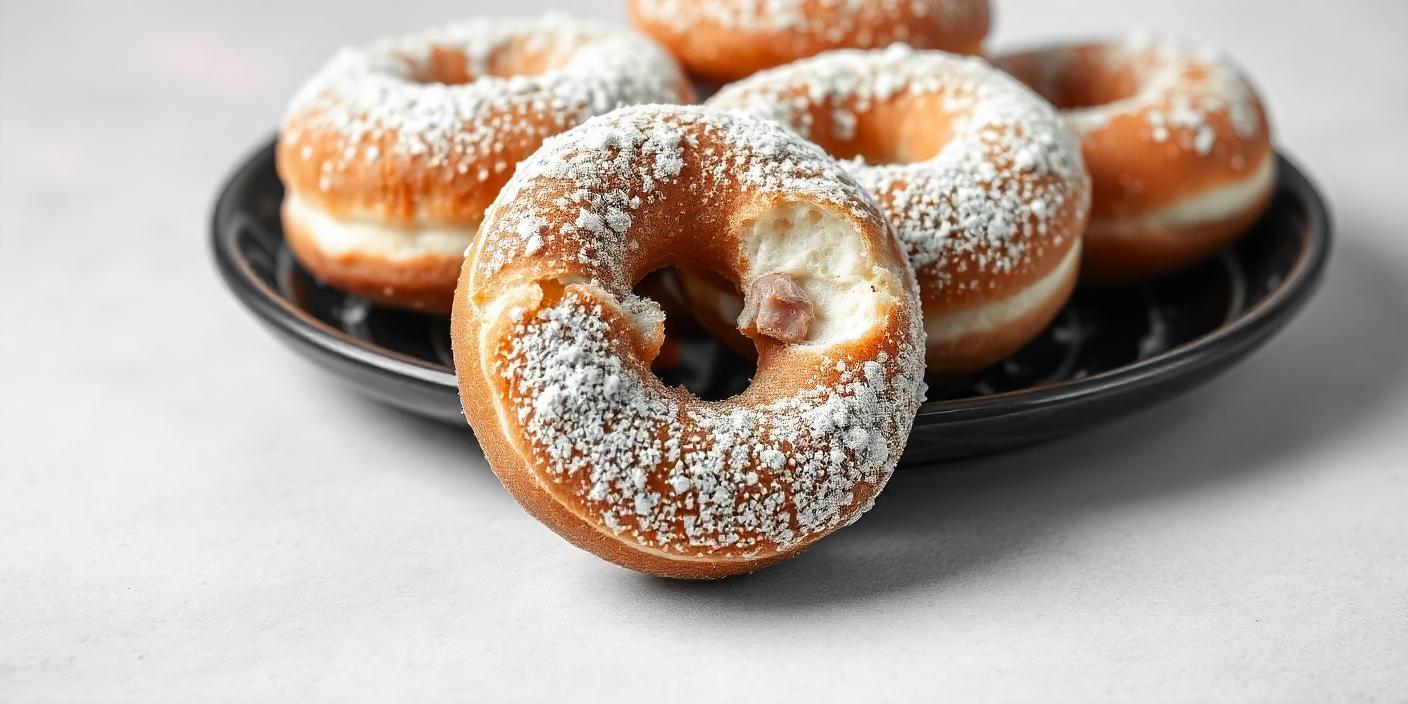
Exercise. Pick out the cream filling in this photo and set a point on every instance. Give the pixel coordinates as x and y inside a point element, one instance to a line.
<point>1217,204</point>
<point>824,254</point>
<point>338,236</point>
<point>957,325</point>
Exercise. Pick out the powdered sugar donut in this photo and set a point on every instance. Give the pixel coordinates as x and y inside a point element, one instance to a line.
<point>391,153</point>
<point>982,182</point>
<point>724,40</point>
<point>1177,144</point>
<point>552,348</point>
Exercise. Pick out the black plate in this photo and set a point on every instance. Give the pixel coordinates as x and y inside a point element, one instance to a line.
<point>1111,351</point>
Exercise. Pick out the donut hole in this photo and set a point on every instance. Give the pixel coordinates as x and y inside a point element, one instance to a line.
<point>1083,79</point>
<point>903,131</point>
<point>1075,91</point>
<point>452,66</point>
<point>714,363</point>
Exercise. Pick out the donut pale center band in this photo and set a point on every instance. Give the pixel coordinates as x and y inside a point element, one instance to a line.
<point>1208,207</point>
<point>350,234</point>
<point>990,316</point>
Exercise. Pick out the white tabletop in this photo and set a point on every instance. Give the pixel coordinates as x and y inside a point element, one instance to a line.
<point>188,511</point>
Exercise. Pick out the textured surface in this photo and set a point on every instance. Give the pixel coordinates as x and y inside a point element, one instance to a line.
<point>188,511</point>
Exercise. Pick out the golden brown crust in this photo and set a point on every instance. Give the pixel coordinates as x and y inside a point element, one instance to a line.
<point>725,40</point>
<point>399,188</point>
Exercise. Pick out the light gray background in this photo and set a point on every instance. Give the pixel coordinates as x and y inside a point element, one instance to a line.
<point>190,512</point>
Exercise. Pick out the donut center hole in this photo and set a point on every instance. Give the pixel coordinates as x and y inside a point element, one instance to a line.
<point>825,263</point>
<point>451,66</point>
<point>1088,88</point>
<point>712,362</point>
<point>906,130</point>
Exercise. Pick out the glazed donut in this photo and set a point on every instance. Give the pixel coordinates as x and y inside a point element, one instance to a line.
<point>552,349</point>
<point>391,153</point>
<point>1177,144</point>
<point>725,40</point>
<point>981,181</point>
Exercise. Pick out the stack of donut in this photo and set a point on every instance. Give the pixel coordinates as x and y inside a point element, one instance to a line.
<point>860,205</point>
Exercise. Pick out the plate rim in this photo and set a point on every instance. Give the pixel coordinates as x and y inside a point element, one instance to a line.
<point>1253,326</point>
<point>271,307</point>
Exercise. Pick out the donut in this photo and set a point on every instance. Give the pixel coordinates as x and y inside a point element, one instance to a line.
<point>1177,144</point>
<point>979,177</point>
<point>552,349</point>
<point>725,40</point>
<point>392,151</point>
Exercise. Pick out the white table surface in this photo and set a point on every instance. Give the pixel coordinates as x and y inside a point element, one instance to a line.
<point>190,512</point>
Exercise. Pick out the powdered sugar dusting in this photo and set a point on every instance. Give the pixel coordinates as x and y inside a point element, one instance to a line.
<point>985,202</point>
<point>727,477</point>
<point>652,464</point>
